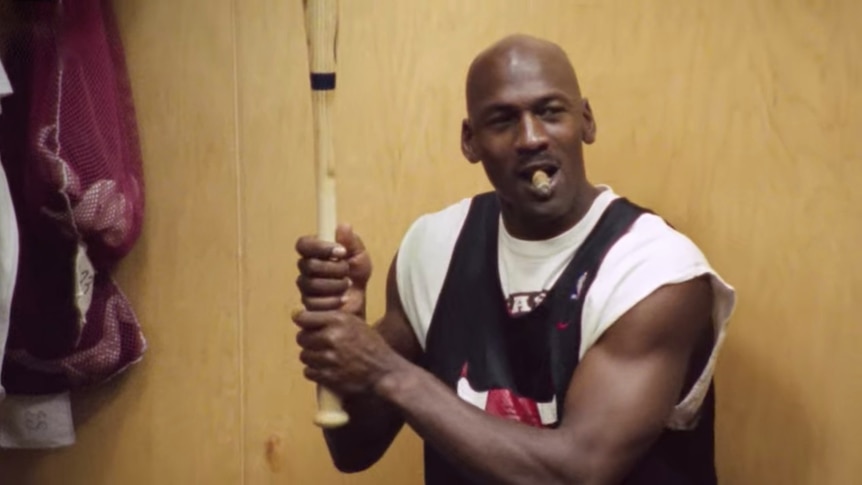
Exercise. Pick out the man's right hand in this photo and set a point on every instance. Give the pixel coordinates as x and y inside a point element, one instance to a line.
<point>325,269</point>
<point>333,275</point>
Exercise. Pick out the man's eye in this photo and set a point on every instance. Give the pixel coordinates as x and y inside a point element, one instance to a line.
<point>499,120</point>
<point>551,110</point>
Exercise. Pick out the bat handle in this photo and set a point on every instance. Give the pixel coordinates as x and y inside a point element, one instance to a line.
<point>330,413</point>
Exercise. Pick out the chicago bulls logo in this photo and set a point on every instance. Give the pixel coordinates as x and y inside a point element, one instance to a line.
<point>506,404</point>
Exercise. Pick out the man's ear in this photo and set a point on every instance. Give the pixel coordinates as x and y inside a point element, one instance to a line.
<point>467,142</point>
<point>589,123</point>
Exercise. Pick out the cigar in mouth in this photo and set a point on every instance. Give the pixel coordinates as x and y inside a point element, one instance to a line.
<point>542,181</point>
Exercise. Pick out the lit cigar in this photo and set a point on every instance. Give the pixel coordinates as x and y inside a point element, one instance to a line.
<point>541,181</point>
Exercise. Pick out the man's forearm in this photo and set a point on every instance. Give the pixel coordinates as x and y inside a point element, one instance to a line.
<point>487,447</point>
<point>373,425</point>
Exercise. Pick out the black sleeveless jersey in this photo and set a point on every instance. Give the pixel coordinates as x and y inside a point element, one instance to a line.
<point>522,365</point>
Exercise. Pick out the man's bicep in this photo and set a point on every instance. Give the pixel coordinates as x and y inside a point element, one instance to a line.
<point>627,384</point>
<point>394,326</point>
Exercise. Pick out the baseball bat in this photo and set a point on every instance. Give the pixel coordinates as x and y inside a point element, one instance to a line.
<point>321,29</point>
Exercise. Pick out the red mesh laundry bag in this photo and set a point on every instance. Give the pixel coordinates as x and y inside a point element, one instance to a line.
<point>68,141</point>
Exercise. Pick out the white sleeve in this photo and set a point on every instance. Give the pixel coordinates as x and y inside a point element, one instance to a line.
<point>423,261</point>
<point>652,255</point>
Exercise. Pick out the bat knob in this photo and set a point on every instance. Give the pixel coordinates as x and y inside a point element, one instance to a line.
<point>329,419</point>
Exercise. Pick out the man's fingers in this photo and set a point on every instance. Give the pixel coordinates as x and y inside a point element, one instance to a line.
<point>317,359</point>
<point>322,268</point>
<point>322,361</point>
<point>322,303</point>
<point>320,376</point>
<point>311,340</point>
<point>312,247</point>
<point>325,377</point>
<point>309,320</point>
<point>312,374</point>
<point>322,287</point>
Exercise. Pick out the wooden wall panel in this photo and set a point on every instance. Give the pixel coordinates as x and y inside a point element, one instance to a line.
<point>737,120</point>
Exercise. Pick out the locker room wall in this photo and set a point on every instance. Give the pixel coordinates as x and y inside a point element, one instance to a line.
<point>738,121</point>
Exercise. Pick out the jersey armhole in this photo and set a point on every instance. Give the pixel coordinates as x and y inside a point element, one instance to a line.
<point>405,261</point>
<point>629,279</point>
<point>686,412</point>
<point>423,260</point>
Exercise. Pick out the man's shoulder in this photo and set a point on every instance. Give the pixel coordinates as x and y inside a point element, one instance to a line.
<point>650,255</point>
<point>430,238</point>
<point>452,212</point>
<point>423,261</point>
<point>430,227</point>
<point>652,237</point>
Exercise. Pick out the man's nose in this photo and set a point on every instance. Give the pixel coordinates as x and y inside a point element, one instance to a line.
<point>532,136</point>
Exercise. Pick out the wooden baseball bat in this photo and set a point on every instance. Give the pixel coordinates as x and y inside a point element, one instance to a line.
<point>321,25</point>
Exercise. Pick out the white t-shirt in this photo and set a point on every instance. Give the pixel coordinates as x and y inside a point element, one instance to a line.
<point>650,255</point>
<point>8,262</point>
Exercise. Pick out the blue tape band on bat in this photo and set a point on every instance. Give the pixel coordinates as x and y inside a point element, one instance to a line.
<point>323,81</point>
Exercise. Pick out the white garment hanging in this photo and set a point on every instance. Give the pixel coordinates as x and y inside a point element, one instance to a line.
<point>25,421</point>
<point>8,245</point>
<point>8,263</point>
<point>5,86</point>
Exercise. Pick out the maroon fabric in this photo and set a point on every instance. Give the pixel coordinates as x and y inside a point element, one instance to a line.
<point>68,141</point>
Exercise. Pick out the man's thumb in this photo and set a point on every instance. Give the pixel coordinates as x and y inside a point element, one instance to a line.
<point>345,236</point>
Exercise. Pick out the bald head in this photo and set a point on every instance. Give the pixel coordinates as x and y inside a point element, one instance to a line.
<point>518,59</point>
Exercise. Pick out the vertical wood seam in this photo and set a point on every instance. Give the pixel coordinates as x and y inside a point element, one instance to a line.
<point>240,241</point>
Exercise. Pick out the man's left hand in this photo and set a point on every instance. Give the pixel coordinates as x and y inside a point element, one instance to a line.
<point>340,351</point>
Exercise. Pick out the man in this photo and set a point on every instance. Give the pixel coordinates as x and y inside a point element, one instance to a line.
<point>530,336</point>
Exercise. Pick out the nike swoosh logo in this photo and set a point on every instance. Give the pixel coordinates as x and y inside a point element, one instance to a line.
<point>562,325</point>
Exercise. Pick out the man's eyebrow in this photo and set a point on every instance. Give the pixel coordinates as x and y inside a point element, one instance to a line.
<point>557,96</point>
<point>496,107</point>
<point>504,107</point>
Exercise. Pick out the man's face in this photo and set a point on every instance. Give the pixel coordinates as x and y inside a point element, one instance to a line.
<point>526,114</point>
